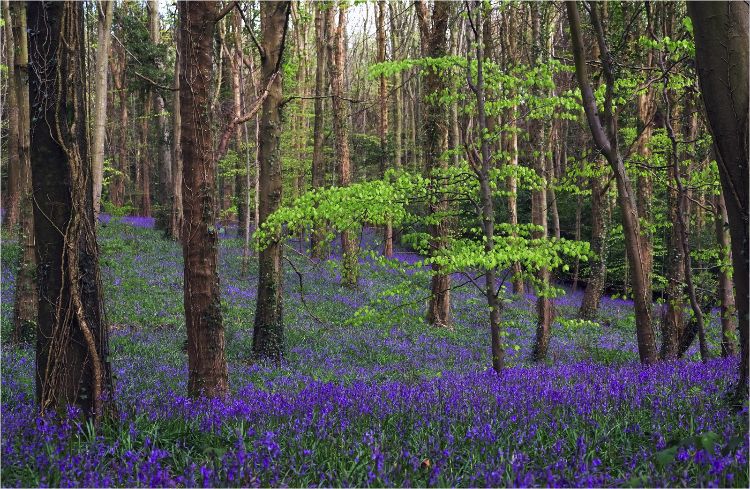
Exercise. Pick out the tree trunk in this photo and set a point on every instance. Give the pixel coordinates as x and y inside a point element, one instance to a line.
<point>434,138</point>
<point>726,294</point>
<point>721,52</point>
<point>207,365</point>
<point>143,162</point>
<point>482,164</point>
<point>673,322</point>
<point>176,214</point>
<point>25,305</point>
<point>72,339</point>
<point>383,121</point>
<point>268,333</point>
<point>336,60</point>
<point>539,203</point>
<point>104,26</point>
<point>11,205</point>
<point>318,163</point>
<point>599,247</point>
<point>606,141</point>
<point>398,99</point>
<point>117,187</point>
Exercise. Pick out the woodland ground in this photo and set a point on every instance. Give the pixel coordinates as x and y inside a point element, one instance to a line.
<point>385,400</point>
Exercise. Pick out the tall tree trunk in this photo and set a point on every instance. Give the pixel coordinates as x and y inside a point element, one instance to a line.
<point>482,165</point>
<point>721,52</point>
<point>268,333</point>
<point>207,365</point>
<point>398,99</point>
<point>143,162</point>
<point>72,339</point>
<point>673,321</point>
<point>11,205</point>
<point>104,26</point>
<point>726,294</point>
<point>117,187</point>
<point>318,163</point>
<point>383,121</point>
<point>336,60</point>
<point>599,246</point>
<point>434,138</point>
<point>539,203</point>
<point>176,214</point>
<point>606,140</point>
<point>26,303</point>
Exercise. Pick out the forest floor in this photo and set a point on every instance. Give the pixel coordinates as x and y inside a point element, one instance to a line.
<point>371,399</point>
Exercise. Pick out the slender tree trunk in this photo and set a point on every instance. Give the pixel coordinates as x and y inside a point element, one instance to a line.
<point>72,339</point>
<point>726,293</point>
<point>268,333</point>
<point>721,52</point>
<point>26,303</point>
<point>318,163</point>
<point>483,168</point>
<point>398,99</point>
<point>336,60</point>
<point>606,141</point>
<point>673,322</point>
<point>383,121</point>
<point>545,313</point>
<point>176,214</point>
<point>105,8</point>
<point>434,138</point>
<point>599,246</point>
<point>11,205</point>
<point>117,187</point>
<point>143,173</point>
<point>207,365</point>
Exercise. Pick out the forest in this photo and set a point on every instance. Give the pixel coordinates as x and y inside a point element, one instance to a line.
<point>379,243</point>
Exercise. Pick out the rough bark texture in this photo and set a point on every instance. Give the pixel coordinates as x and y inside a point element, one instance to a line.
<point>721,52</point>
<point>26,301</point>
<point>383,121</point>
<point>318,163</point>
<point>106,9</point>
<point>482,164</point>
<point>340,114</point>
<point>72,339</point>
<point>539,206</point>
<point>599,238</point>
<point>176,214</point>
<point>726,294</point>
<point>605,138</point>
<point>673,321</point>
<point>117,187</point>
<point>268,334</point>
<point>12,198</point>
<point>434,41</point>
<point>207,365</point>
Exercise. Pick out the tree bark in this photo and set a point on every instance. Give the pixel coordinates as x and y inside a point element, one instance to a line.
<point>605,139</point>
<point>268,333</point>
<point>726,293</point>
<point>26,301</point>
<point>72,339</point>
<point>721,52</point>
<point>434,40</point>
<point>599,246</point>
<point>11,205</point>
<point>383,121</point>
<point>336,60</point>
<point>207,365</point>
<point>117,187</point>
<point>176,214</point>
<point>104,26</point>
<point>318,163</point>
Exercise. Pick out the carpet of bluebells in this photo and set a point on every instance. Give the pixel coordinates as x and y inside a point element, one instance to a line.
<point>382,400</point>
